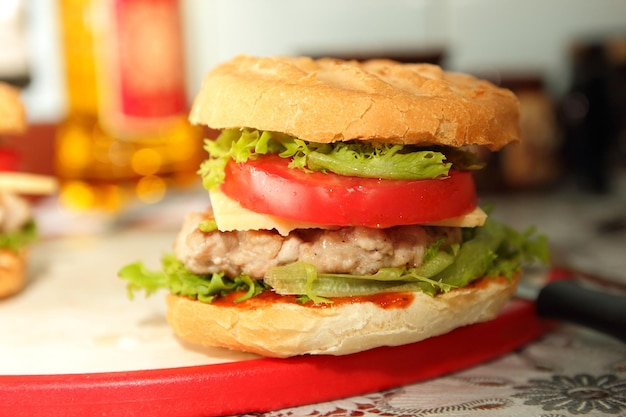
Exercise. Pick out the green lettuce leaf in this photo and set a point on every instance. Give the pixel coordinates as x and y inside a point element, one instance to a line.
<point>491,250</point>
<point>367,159</point>
<point>384,161</point>
<point>301,278</point>
<point>179,281</point>
<point>238,145</point>
<point>18,239</point>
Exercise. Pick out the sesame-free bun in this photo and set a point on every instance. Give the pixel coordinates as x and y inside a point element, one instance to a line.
<point>12,121</point>
<point>327,100</point>
<point>12,272</point>
<point>283,329</point>
<point>12,114</point>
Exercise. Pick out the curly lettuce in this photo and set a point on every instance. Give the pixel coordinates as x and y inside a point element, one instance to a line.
<point>175,278</point>
<point>368,159</point>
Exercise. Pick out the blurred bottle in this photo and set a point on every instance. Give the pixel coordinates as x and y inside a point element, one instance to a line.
<point>126,136</point>
<point>589,119</point>
<point>534,162</point>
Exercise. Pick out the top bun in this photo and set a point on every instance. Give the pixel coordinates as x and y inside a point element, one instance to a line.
<point>327,100</point>
<point>12,115</point>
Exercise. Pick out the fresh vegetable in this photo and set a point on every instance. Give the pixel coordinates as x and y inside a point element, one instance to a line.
<point>178,280</point>
<point>367,159</point>
<point>300,278</point>
<point>18,239</point>
<point>358,158</point>
<point>267,185</point>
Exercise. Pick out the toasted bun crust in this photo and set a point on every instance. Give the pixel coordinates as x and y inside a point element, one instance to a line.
<point>12,114</point>
<point>12,272</point>
<point>329,100</point>
<point>288,329</point>
<point>12,121</point>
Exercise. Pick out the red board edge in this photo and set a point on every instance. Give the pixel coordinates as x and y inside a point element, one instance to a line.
<point>267,384</point>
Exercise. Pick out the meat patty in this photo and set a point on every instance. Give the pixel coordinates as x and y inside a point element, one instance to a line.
<point>354,249</point>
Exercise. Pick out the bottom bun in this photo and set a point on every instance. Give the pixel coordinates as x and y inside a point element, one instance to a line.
<point>12,272</point>
<point>283,329</point>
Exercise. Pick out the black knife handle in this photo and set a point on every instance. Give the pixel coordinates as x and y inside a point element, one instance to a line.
<point>568,301</point>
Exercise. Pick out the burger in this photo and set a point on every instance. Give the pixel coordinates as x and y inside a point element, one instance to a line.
<point>17,226</point>
<point>343,212</point>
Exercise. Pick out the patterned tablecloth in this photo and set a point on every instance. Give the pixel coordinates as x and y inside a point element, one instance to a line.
<point>570,372</point>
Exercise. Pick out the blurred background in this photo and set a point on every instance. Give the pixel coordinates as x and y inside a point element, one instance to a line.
<point>107,83</point>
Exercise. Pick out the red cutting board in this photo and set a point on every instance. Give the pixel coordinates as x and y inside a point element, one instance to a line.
<point>265,384</point>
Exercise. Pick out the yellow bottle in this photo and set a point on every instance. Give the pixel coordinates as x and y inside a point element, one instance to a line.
<point>126,136</point>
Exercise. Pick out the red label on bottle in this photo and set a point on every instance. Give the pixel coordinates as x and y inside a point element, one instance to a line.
<point>145,62</point>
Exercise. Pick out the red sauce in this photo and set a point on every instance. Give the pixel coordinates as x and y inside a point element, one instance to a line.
<point>484,282</point>
<point>383,300</point>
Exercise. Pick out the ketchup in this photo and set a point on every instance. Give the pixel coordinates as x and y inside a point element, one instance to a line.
<point>387,300</point>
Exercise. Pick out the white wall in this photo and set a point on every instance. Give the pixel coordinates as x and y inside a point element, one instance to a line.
<point>478,35</point>
<point>531,35</point>
<point>44,99</point>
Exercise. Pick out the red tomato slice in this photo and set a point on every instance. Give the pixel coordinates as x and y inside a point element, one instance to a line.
<point>8,160</point>
<point>266,185</point>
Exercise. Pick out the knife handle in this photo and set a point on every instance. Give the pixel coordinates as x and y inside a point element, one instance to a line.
<point>568,301</point>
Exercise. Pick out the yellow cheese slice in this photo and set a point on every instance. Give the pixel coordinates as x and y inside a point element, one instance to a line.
<point>24,183</point>
<point>229,216</point>
<point>474,218</point>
